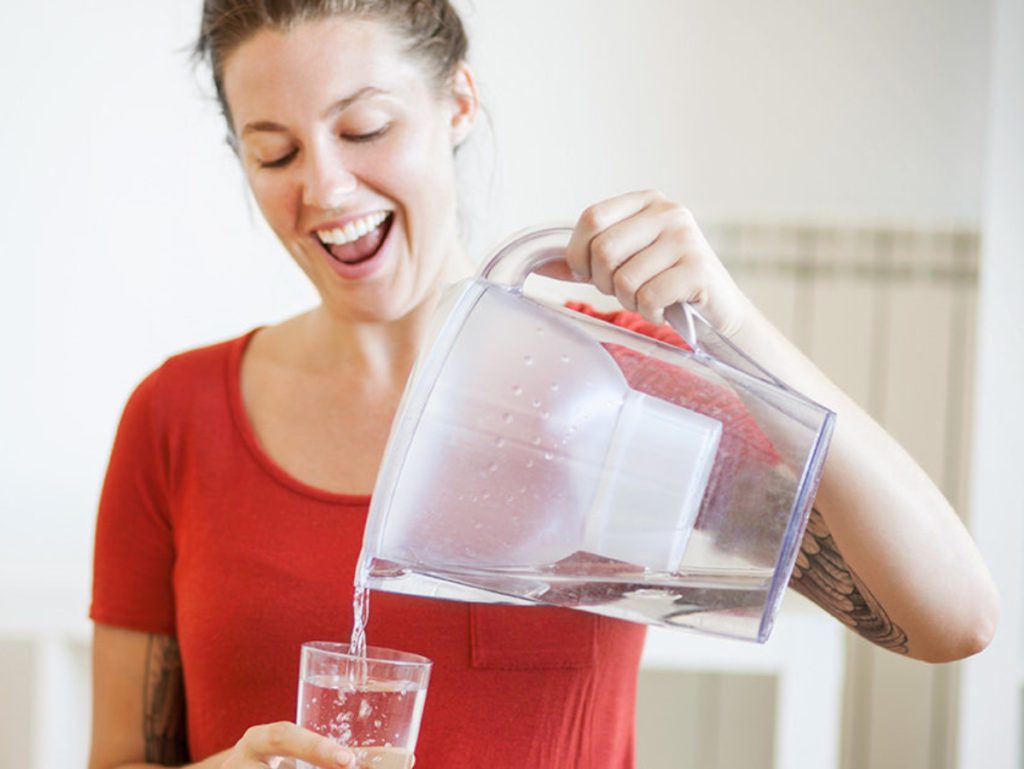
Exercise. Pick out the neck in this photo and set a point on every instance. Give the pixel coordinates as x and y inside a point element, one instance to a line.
<point>375,355</point>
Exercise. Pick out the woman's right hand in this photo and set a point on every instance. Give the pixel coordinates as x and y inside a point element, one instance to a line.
<point>280,745</point>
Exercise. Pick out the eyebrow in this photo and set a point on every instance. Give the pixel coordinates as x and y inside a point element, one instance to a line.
<point>338,106</point>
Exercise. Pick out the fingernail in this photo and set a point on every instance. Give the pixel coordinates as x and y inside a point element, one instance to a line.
<point>344,757</point>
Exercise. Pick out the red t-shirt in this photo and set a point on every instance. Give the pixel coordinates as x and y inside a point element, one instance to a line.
<point>201,535</point>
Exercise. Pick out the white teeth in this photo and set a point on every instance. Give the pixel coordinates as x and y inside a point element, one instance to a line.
<point>353,230</point>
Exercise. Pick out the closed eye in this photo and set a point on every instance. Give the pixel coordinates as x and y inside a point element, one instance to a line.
<point>367,137</point>
<point>284,160</point>
<point>281,162</point>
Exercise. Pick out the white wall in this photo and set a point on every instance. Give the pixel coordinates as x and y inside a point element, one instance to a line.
<point>993,683</point>
<point>126,237</point>
<point>127,233</point>
<point>868,110</point>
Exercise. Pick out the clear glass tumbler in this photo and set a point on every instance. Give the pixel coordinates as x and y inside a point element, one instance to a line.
<point>371,704</point>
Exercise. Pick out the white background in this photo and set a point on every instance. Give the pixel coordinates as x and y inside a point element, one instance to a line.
<point>128,234</point>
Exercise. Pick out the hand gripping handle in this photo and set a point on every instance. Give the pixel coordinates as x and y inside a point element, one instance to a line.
<point>531,249</point>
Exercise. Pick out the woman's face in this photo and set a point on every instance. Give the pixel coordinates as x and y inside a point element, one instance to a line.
<point>347,146</point>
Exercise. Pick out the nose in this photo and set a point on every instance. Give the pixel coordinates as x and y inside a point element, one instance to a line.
<point>328,180</point>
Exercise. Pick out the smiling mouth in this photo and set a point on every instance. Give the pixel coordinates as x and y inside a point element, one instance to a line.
<point>357,241</point>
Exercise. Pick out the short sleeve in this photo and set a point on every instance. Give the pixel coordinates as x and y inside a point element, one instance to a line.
<point>133,559</point>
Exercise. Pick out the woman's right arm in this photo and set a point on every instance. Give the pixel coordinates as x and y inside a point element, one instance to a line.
<point>139,713</point>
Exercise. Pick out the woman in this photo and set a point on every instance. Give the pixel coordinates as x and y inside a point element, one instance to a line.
<point>237,490</point>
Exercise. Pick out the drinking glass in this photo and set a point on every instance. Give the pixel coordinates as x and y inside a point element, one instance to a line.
<point>370,704</point>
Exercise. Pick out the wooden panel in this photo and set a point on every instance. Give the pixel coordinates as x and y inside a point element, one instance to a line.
<point>705,720</point>
<point>17,704</point>
<point>900,715</point>
<point>889,316</point>
<point>962,270</point>
<point>916,364</point>
<point>844,296</point>
<point>746,722</point>
<point>958,267</point>
<point>900,712</point>
<point>669,719</point>
<point>761,261</point>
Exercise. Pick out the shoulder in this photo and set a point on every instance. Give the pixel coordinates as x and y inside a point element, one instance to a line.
<point>198,366</point>
<point>203,362</point>
<point>188,379</point>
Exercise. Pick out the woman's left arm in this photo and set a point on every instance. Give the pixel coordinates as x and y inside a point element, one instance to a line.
<point>884,551</point>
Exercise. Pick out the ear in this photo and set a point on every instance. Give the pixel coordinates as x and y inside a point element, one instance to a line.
<point>465,103</point>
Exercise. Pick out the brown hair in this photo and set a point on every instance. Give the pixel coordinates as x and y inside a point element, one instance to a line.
<point>432,29</point>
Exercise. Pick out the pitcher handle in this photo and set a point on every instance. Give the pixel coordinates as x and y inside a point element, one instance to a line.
<point>531,249</point>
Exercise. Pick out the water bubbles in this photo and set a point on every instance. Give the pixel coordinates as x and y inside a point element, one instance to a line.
<point>565,358</point>
<point>478,525</point>
<point>485,496</point>
<point>536,403</point>
<point>527,360</point>
<point>492,467</point>
<point>548,455</point>
<point>499,442</point>
<point>365,709</point>
<point>529,463</point>
<point>536,440</point>
<point>553,387</point>
<point>517,390</point>
<point>508,501</point>
<point>507,417</point>
<point>377,722</point>
<point>545,414</point>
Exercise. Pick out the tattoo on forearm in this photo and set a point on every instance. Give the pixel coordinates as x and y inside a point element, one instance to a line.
<point>822,575</point>
<point>163,698</point>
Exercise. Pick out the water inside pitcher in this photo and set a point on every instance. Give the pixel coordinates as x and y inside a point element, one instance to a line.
<point>541,455</point>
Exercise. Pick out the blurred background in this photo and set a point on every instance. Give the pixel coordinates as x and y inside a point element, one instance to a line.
<point>859,166</point>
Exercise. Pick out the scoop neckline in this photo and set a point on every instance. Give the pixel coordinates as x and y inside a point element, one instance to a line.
<point>247,433</point>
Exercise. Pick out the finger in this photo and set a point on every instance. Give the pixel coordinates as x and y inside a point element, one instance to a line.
<point>619,243</point>
<point>596,219</point>
<point>557,270</point>
<point>681,283</point>
<point>288,739</point>
<point>661,255</point>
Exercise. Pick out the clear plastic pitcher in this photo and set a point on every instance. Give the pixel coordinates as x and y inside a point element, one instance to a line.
<point>540,455</point>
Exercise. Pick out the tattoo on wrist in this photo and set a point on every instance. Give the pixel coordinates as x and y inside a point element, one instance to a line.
<point>823,576</point>
<point>163,702</point>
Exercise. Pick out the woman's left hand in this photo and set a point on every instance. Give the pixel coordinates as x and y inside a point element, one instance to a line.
<point>649,253</point>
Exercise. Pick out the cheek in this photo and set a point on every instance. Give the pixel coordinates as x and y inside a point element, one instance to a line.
<point>276,200</point>
<point>421,164</point>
